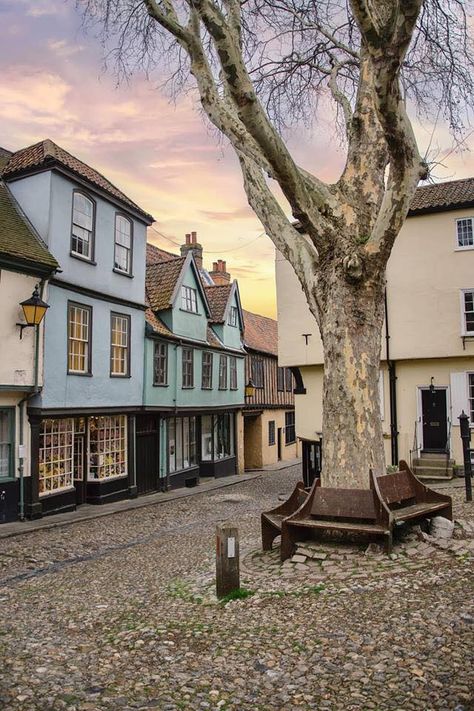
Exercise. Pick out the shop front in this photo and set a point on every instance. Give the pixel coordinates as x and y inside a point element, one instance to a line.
<point>78,460</point>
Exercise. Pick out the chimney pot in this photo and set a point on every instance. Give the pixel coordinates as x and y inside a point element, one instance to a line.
<point>214,266</point>
<point>194,237</point>
<point>188,238</point>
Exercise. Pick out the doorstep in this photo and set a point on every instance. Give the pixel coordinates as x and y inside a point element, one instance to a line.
<point>87,512</point>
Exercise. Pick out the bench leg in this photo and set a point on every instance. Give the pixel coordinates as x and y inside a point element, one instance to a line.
<point>388,543</point>
<point>287,544</point>
<point>269,533</point>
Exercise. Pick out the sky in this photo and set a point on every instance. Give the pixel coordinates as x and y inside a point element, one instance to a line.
<point>161,154</point>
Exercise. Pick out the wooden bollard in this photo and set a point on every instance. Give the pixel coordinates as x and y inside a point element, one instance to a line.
<point>227,560</point>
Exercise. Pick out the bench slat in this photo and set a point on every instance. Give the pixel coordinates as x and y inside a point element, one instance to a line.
<point>339,526</point>
<point>417,510</point>
<point>344,503</point>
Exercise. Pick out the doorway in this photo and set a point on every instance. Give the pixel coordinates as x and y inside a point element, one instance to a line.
<point>147,453</point>
<point>434,419</point>
<point>279,443</point>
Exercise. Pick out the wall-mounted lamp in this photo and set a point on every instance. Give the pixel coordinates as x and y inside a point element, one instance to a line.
<point>34,310</point>
<point>249,389</point>
<point>432,387</point>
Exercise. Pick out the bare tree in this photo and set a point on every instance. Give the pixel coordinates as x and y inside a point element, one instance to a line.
<point>258,64</point>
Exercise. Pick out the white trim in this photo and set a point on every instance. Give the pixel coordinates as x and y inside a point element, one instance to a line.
<point>419,412</point>
<point>463,312</point>
<point>458,247</point>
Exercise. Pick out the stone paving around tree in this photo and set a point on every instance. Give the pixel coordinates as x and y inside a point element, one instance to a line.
<point>119,613</point>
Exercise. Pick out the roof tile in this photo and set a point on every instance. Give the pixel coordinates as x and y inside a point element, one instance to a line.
<point>261,333</point>
<point>154,254</point>
<point>443,195</point>
<point>218,296</point>
<point>161,280</point>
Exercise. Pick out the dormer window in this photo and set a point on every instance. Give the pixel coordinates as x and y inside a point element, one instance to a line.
<point>123,245</point>
<point>82,233</point>
<point>189,299</point>
<point>233,316</point>
<point>465,233</point>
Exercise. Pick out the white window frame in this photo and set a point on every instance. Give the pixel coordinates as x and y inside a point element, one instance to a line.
<point>119,243</point>
<point>56,456</point>
<point>459,247</point>
<point>87,341</point>
<point>102,461</point>
<point>189,299</point>
<point>464,331</point>
<point>89,257</point>
<point>233,316</point>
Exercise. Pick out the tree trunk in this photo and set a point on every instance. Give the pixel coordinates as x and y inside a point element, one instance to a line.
<point>351,330</point>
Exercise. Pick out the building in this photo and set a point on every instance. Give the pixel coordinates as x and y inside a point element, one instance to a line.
<point>427,367</point>
<point>25,262</point>
<point>82,421</point>
<point>269,414</point>
<point>194,374</point>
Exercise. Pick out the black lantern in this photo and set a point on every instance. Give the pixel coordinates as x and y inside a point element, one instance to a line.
<point>249,389</point>
<point>34,310</point>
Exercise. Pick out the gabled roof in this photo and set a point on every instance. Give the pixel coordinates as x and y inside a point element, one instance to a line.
<point>154,254</point>
<point>46,155</point>
<point>451,195</point>
<point>157,324</point>
<point>218,297</point>
<point>20,244</point>
<point>261,333</point>
<point>161,280</point>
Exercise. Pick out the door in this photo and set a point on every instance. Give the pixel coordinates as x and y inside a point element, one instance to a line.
<point>434,419</point>
<point>147,453</point>
<point>279,435</point>
<point>79,461</point>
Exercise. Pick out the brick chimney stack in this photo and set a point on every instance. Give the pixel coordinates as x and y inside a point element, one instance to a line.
<point>219,273</point>
<point>192,245</point>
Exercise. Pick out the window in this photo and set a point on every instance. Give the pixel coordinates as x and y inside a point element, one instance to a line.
<point>233,373</point>
<point>189,299</point>
<point>206,438</point>
<point>233,316</point>
<point>206,383</point>
<point>288,380</point>
<point>79,339</point>
<point>222,372</point>
<point>271,432</point>
<point>107,447</point>
<point>471,396</point>
<point>257,372</point>
<point>160,364</point>
<point>464,233</point>
<point>280,379</point>
<point>56,447</point>
<point>7,464</point>
<point>119,345</point>
<point>82,233</point>
<point>468,312</point>
<point>188,368</point>
<point>182,443</point>
<point>290,436</point>
<point>217,436</point>
<point>123,244</point>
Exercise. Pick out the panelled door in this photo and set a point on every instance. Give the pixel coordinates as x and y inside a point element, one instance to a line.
<point>147,453</point>
<point>434,419</point>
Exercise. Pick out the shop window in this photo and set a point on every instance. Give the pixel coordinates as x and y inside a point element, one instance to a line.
<point>271,432</point>
<point>7,422</point>
<point>160,364</point>
<point>233,372</point>
<point>107,447</point>
<point>206,383</point>
<point>79,339</point>
<point>290,435</point>
<point>206,438</point>
<point>217,436</point>
<point>56,455</point>
<point>182,443</point>
<point>119,345</point>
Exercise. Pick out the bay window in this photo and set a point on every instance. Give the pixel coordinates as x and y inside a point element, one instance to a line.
<point>107,447</point>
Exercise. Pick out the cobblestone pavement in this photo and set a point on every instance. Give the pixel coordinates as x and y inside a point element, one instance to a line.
<point>119,613</point>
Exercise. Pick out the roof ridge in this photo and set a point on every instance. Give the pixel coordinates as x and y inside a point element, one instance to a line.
<point>444,182</point>
<point>269,318</point>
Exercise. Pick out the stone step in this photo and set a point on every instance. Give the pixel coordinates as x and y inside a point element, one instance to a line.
<point>441,473</point>
<point>440,462</point>
<point>432,455</point>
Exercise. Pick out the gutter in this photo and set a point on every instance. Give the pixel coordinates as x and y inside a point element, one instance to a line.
<point>392,390</point>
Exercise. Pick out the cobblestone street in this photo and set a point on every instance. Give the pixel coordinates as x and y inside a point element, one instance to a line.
<point>120,613</point>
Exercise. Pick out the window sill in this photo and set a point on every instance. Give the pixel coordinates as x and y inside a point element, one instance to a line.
<point>107,478</point>
<point>116,375</point>
<point>125,274</point>
<point>45,494</point>
<point>193,313</point>
<point>464,249</point>
<point>205,388</point>
<point>81,375</point>
<point>288,444</point>
<point>83,259</point>
<point>187,387</point>
<point>161,385</point>
<point>223,389</point>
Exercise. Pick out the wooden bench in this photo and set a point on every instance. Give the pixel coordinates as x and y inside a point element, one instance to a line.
<point>391,499</point>
<point>271,520</point>
<point>407,499</point>
<point>343,510</point>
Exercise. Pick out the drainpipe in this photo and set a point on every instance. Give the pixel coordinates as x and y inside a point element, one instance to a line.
<point>392,390</point>
<point>21,405</point>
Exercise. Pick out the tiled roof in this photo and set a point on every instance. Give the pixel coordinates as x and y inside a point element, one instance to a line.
<point>161,280</point>
<point>154,254</point>
<point>18,238</point>
<point>157,324</point>
<point>5,156</point>
<point>218,296</point>
<point>46,154</point>
<point>212,339</point>
<point>261,333</point>
<point>441,196</point>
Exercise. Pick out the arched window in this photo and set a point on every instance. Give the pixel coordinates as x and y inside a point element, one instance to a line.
<point>82,235</point>
<point>123,244</point>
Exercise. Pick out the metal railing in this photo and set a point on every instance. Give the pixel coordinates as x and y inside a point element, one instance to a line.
<point>416,447</point>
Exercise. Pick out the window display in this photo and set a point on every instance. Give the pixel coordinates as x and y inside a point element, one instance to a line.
<point>56,455</point>
<point>182,445</point>
<point>107,447</point>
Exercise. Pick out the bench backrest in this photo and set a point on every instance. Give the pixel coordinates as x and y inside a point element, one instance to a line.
<point>396,488</point>
<point>352,504</point>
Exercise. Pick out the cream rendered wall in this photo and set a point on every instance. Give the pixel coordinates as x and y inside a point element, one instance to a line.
<point>16,356</point>
<point>270,452</point>
<point>239,448</point>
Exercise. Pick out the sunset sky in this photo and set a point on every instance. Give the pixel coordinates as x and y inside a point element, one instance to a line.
<point>162,155</point>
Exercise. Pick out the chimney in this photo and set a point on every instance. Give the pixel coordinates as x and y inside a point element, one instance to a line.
<point>219,273</point>
<point>192,245</point>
